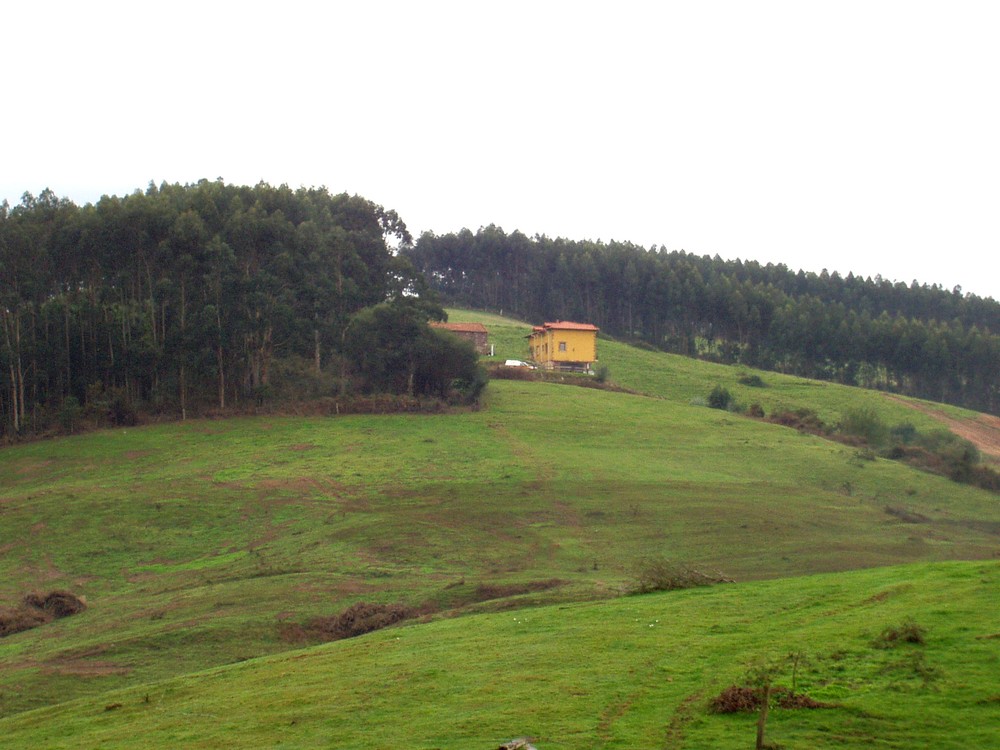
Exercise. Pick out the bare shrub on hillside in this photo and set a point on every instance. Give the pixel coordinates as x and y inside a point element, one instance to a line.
<point>906,632</point>
<point>745,699</point>
<point>358,619</point>
<point>39,609</point>
<point>21,619</point>
<point>56,603</point>
<point>804,420</point>
<point>660,574</point>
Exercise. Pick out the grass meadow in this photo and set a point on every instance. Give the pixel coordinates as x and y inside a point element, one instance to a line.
<point>198,544</point>
<point>636,672</point>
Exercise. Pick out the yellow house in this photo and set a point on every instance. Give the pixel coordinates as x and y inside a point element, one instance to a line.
<point>563,345</point>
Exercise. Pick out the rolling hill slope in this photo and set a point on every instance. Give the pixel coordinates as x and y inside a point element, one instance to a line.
<point>204,543</point>
<point>638,673</point>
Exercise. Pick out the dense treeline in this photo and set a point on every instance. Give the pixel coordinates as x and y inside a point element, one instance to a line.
<point>916,339</point>
<point>185,296</point>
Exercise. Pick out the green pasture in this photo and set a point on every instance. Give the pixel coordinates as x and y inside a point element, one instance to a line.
<point>633,673</point>
<point>684,379</point>
<point>196,543</point>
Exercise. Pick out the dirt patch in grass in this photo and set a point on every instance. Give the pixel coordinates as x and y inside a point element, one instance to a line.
<point>983,431</point>
<point>682,716</point>
<point>84,668</point>
<point>882,596</point>
<point>907,516</point>
<point>486,591</point>
<point>33,468</point>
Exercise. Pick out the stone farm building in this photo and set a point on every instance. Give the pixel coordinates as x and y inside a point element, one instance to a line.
<point>474,332</point>
<point>564,346</point>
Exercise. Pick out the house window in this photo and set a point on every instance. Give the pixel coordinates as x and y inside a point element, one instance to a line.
<point>562,346</point>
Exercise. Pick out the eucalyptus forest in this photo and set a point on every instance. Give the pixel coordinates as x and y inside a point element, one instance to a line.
<point>915,339</point>
<point>183,299</point>
<point>189,297</point>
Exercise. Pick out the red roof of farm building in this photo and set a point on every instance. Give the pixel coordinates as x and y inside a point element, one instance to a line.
<point>461,327</point>
<point>566,325</point>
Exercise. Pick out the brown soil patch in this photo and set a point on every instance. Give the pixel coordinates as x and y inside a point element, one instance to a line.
<point>486,591</point>
<point>33,468</point>
<point>682,715</point>
<point>302,447</point>
<point>85,668</point>
<point>983,431</point>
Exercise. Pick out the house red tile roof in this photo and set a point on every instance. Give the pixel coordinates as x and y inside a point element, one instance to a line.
<point>566,325</point>
<point>461,327</point>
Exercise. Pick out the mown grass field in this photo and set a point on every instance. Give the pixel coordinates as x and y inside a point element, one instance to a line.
<point>196,544</point>
<point>637,672</point>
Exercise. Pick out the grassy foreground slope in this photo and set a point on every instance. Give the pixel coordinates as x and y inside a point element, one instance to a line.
<point>632,673</point>
<point>197,543</point>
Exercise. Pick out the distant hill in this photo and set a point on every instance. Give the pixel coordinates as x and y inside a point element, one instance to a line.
<point>916,339</point>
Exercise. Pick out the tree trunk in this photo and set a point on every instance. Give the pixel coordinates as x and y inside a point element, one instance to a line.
<point>222,378</point>
<point>316,353</point>
<point>765,702</point>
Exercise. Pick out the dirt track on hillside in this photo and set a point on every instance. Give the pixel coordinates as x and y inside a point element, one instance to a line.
<point>983,431</point>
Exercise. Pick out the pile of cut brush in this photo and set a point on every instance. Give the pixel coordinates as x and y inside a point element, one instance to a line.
<point>38,609</point>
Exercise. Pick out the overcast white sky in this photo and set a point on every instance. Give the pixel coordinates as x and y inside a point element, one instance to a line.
<point>853,136</point>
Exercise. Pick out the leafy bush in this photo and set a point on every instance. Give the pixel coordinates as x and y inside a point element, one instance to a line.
<point>754,381</point>
<point>904,433</point>
<point>69,413</point>
<point>719,398</point>
<point>866,424</point>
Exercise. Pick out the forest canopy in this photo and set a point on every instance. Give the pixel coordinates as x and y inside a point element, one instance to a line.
<point>185,297</point>
<point>915,339</point>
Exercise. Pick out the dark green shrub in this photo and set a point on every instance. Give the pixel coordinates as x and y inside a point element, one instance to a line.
<point>904,433</point>
<point>866,424</point>
<point>719,398</point>
<point>754,381</point>
<point>69,413</point>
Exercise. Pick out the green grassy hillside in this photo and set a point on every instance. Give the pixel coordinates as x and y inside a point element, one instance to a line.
<point>631,673</point>
<point>684,379</point>
<point>204,543</point>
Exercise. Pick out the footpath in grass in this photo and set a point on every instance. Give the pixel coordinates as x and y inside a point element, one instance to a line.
<point>638,672</point>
